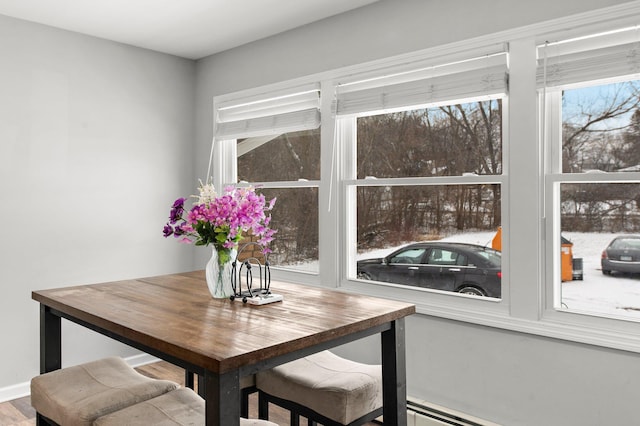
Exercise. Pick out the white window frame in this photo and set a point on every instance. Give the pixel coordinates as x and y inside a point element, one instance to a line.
<point>408,84</point>
<point>349,184</point>
<point>287,114</point>
<point>527,290</point>
<point>607,330</point>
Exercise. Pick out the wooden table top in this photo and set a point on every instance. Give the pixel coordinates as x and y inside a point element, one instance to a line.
<point>176,315</point>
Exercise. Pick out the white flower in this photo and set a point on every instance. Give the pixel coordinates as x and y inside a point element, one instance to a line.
<point>207,194</point>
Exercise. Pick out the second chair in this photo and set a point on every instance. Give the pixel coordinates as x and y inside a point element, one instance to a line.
<point>324,388</point>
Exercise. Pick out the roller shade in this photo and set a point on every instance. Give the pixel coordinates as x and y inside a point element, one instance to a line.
<point>588,59</point>
<point>276,114</point>
<point>474,78</point>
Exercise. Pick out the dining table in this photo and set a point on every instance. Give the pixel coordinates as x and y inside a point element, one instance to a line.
<point>174,318</point>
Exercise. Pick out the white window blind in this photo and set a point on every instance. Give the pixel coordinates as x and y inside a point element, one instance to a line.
<point>598,57</point>
<point>475,78</point>
<point>271,114</point>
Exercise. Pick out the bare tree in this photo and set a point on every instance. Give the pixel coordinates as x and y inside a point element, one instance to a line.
<point>585,121</point>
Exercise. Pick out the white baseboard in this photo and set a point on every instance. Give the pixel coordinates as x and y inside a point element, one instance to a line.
<point>20,390</point>
<point>141,359</point>
<point>14,391</point>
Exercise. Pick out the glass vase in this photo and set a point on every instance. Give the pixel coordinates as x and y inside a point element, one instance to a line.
<point>219,275</point>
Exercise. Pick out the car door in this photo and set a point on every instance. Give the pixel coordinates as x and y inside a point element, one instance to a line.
<point>404,266</point>
<point>445,268</point>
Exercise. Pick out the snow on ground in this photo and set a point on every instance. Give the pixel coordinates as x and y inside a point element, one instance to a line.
<point>615,295</point>
<point>597,294</point>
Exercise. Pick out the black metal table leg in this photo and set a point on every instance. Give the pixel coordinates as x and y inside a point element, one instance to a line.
<point>394,375</point>
<point>222,402</point>
<point>50,340</point>
<point>189,382</point>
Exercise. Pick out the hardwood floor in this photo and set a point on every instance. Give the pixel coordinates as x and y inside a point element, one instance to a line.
<point>19,412</point>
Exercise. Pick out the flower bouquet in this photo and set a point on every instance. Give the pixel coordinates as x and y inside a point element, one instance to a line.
<point>220,220</point>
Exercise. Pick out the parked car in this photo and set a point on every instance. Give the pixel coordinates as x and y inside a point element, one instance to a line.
<point>457,267</point>
<point>622,255</point>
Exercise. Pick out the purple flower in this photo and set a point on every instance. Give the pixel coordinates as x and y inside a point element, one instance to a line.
<point>179,203</point>
<point>176,211</point>
<point>221,219</point>
<point>178,231</point>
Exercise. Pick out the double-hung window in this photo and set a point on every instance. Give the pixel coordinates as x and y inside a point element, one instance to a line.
<point>272,141</point>
<point>441,185</point>
<point>590,95</point>
<point>422,162</point>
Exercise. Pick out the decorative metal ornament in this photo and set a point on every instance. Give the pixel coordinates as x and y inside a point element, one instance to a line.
<point>242,279</point>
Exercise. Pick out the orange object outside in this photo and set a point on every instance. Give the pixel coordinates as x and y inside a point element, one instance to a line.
<point>566,254</point>
<point>566,260</point>
<point>496,243</point>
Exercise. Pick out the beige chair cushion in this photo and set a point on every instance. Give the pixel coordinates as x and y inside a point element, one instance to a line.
<point>337,388</point>
<point>80,394</point>
<point>179,407</point>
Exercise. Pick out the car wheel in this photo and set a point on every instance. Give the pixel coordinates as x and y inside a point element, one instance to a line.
<point>606,272</point>
<point>474,291</point>
<point>364,276</point>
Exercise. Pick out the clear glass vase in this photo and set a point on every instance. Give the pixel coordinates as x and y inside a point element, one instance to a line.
<point>219,275</point>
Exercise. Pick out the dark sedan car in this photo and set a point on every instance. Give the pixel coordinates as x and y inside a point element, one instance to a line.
<point>457,267</point>
<point>622,255</point>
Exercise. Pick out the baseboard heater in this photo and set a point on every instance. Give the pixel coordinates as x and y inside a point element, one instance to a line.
<point>434,416</point>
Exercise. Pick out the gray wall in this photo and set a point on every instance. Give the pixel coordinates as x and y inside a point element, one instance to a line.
<point>97,138</point>
<point>96,141</point>
<point>507,377</point>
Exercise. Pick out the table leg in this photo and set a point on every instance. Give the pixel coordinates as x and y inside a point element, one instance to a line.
<point>189,381</point>
<point>222,398</point>
<point>50,340</point>
<point>394,375</point>
<point>201,386</point>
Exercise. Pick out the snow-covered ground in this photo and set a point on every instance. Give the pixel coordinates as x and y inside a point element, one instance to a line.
<point>616,295</point>
<point>598,294</point>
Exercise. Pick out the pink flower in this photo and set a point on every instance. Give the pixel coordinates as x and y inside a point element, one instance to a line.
<point>220,220</point>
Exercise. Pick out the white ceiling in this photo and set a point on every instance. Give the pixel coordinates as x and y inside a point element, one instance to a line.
<point>188,28</point>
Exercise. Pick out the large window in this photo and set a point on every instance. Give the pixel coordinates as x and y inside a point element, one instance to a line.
<point>274,143</point>
<point>290,157</point>
<point>593,185</point>
<point>466,178</point>
<point>429,177</point>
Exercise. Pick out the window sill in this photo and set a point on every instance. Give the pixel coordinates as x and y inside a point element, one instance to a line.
<point>604,332</point>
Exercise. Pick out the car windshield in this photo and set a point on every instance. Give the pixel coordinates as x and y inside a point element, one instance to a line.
<point>626,243</point>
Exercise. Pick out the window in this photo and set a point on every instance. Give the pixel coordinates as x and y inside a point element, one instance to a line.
<point>422,174</point>
<point>593,184</point>
<point>428,165</point>
<point>275,140</point>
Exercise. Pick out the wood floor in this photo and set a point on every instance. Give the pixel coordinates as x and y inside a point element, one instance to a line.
<point>19,412</point>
